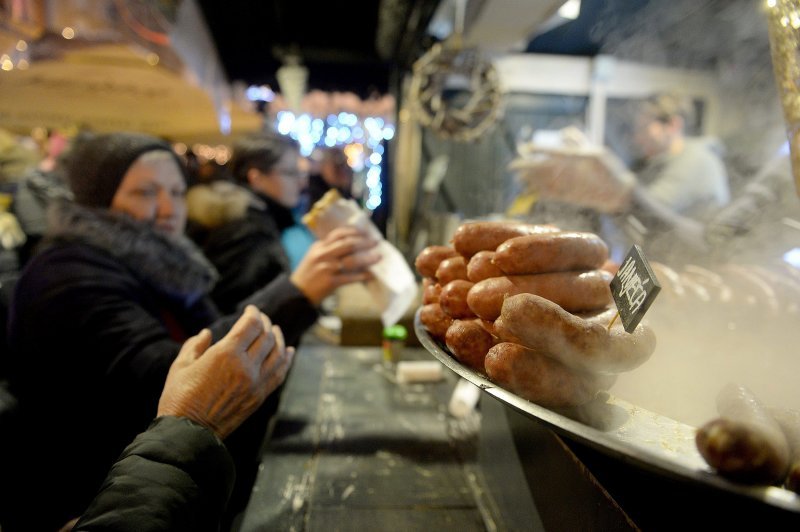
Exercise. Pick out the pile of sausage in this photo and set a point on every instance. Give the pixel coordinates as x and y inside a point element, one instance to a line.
<point>750,442</point>
<point>529,307</point>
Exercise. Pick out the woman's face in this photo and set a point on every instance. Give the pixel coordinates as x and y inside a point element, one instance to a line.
<point>153,190</point>
<point>285,181</point>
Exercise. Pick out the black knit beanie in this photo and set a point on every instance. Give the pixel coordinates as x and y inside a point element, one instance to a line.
<point>96,165</point>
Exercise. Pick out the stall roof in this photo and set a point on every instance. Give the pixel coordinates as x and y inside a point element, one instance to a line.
<point>352,46</point>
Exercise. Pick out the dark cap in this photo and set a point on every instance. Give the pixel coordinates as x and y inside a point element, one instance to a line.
<point>96,165</point>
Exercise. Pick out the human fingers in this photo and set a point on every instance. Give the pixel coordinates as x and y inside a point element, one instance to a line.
<point>353,268</point>
<point>246,329</point>
<point>194,347</point>
<point>276,364</point>
<point>346,231</point>
<point>344,278</point>
<point>349,231</point>
<point>356,262</point>
<point>264,344</point>
<point>340,248</point>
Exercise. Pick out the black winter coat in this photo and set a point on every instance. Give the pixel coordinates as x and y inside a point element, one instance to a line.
<point>246,250</point>
<point>175,476</point>
<point>96,320</point>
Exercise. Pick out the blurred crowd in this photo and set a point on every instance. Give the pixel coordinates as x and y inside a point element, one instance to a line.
<point>136,285</point>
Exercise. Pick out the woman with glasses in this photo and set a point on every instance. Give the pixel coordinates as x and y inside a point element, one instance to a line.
<point>240,230</point>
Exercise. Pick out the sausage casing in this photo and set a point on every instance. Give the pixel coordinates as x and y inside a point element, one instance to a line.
<point>745,443</point>
<point>586,345</point>
<point>789,422</point>
<point>435,321</point>
<point>481,267</point>
<point>472,237</point>
<point>541,379</point>
<point>431,292</point>
<point>551,252</point>
<point>469,342</point>
<point>574,291</point>
<point>429,259</point>
<point>453,299</point>
<point>450,269</point>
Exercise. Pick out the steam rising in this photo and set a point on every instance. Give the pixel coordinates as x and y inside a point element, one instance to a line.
<point>731,314</point>
<point>721,323</point>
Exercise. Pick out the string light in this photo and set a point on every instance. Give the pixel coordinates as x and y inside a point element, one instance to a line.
<point>362,141</point>
<point>260,93</point>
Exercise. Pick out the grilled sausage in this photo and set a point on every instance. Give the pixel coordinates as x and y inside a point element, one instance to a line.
<point>450,269</point>
<point>435,321</point>
<point>582,344</point>
<point>431,291</point>
<point>551,252</point>
<point>480,267</point>
<point>472,237</point>
<point>502,333</point>
<point>574,291</point>
<point>488,326</point>
<point>453,299</point>
<point>789,422</point>
<point>429,259</point>
<point>602,317</point>
<point>745,443</point>
<point>469,342</point>
<point>540,378</point>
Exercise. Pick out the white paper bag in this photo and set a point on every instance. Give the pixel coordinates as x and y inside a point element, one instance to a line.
<point>394,287</point>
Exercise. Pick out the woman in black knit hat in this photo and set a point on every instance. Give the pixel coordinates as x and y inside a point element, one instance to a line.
<point>100,314</point>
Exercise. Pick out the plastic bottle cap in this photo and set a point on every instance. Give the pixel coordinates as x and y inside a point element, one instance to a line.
<point>395,332</point>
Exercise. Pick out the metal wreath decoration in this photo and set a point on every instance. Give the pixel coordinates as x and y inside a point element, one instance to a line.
<point>456,92</point>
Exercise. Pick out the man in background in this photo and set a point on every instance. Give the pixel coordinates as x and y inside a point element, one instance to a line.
<point>334,172</point>
<point>682,181</point>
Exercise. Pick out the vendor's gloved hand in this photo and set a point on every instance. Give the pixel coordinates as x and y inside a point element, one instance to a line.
<point>220,385</point>
<point>342,257</point>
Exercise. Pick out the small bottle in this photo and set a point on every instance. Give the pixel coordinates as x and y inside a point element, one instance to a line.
<point>394,338</point>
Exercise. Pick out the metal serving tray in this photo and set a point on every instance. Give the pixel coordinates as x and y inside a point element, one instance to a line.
<point>621,430</point>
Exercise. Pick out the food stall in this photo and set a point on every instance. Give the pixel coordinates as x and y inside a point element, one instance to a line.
<point>627,458</point>
<point>726,312</point>
<point>539,144</point>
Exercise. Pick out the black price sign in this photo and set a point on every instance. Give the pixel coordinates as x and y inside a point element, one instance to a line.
<point>634,288</point>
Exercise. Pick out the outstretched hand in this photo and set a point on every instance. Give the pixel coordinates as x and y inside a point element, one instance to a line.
<point>220,385</point>
<point>342,257</point>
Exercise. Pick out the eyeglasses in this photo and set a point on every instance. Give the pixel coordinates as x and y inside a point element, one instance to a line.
<point>292,173</point>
